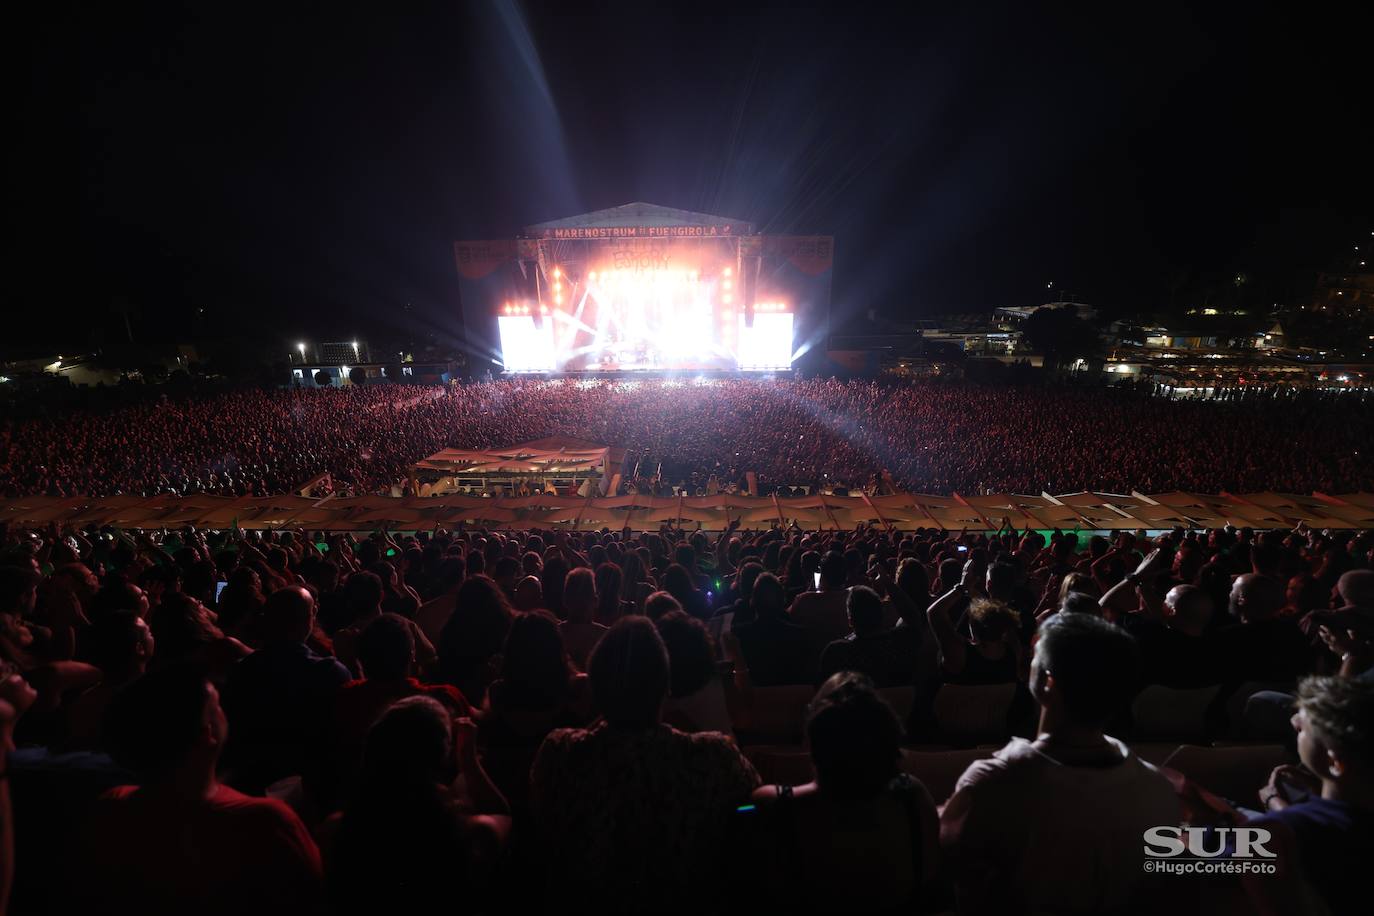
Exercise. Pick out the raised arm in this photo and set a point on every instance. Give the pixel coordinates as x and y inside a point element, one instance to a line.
<point>481,791</point>
<point>723,546</point>
<point>953,649</point>
<point>1142,581</point>
<point>155,551</point>
<point>575,557</point>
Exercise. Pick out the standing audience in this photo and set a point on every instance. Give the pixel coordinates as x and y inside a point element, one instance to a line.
<point>621,787</point>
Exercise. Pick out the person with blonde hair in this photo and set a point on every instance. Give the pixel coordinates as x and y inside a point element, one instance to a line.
<point>991,652</point>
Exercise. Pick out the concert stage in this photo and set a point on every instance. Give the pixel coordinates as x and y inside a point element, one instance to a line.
<point>643,288</point>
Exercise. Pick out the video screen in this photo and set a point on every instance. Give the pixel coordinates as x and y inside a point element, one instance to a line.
<point>643,312</point>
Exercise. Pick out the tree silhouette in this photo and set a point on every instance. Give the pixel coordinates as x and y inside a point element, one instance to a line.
<point>1059,335</point>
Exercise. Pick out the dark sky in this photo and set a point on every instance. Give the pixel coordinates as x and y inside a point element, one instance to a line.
<point>304,168</point>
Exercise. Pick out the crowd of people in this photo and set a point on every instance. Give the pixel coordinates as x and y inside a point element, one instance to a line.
<point>926,436</point>
<point>303,722</point>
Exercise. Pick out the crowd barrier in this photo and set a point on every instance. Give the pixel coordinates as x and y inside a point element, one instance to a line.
<point>905,511</point>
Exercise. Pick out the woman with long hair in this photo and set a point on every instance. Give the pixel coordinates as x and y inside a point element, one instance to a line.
<point>860,816</point>
<point>610,606</point>
<point>408,838</point>
<point>240,603</point>
<point>637,584</point>
<point>185,632</point>
<point>472,638</point>
<point>677,581</point>
<point>536,690</point>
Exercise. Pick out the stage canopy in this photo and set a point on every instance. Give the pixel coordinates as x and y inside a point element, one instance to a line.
<point>906,511</point>
<point>556,456</point>
<point>636,215</point>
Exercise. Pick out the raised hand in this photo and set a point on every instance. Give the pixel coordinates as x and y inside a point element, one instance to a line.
<point>1155,562</point>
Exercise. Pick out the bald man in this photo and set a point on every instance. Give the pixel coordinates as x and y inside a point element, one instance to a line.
<point>1174,651</point>
<point>1188,610</point>
<point>277,698</point>
<point>1356,589</point>
<point>1352,602</point>
<point>1263,646</point>
<point>1255,597</point>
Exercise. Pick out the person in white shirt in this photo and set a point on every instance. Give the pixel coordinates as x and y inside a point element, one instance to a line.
<point>1056,824</point>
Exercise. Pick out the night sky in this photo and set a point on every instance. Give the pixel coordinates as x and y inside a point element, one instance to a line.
<point>302,169</point>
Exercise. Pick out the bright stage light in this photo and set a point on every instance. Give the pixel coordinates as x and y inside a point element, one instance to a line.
<point>768,344</point>
<point>681,317</point>
<point>640,319</point>
<point>525,347</point>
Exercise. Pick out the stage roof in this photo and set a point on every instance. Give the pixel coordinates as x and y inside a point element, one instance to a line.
<point>641,214</point>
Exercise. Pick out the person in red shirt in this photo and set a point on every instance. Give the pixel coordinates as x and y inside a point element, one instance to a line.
<point>182,841</point>
<point>16,697</point>
<point>386,655</point>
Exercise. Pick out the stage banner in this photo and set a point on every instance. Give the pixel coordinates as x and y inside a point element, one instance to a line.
<point>637,232</point>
